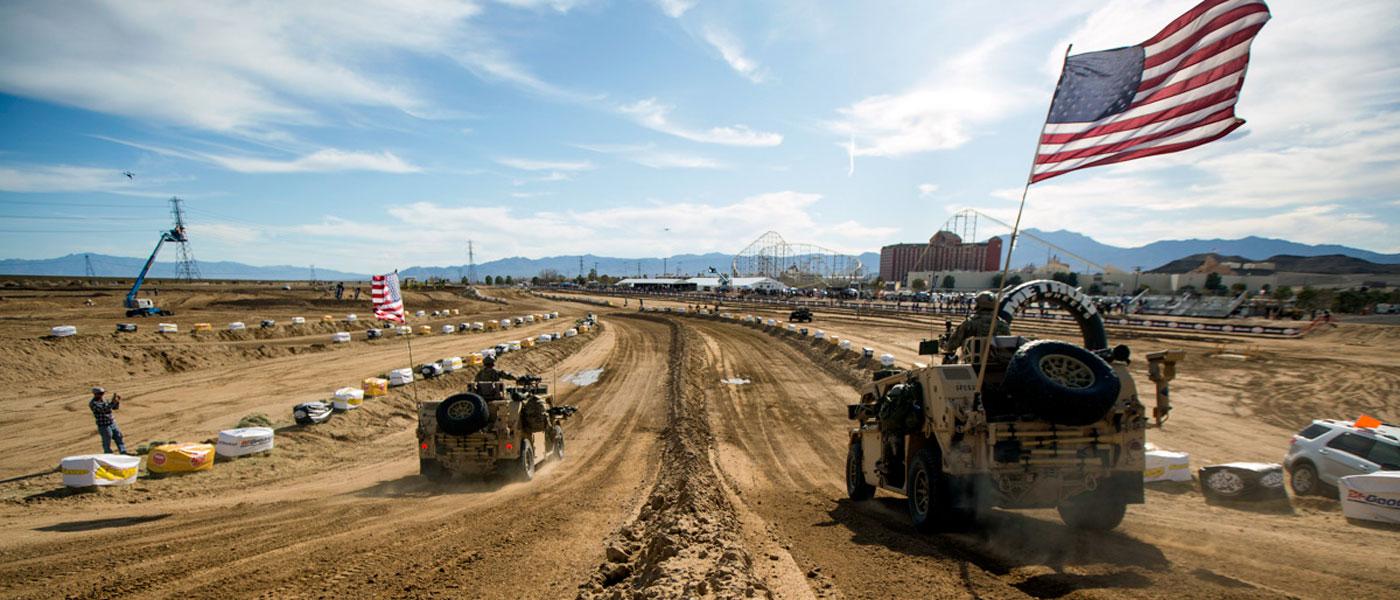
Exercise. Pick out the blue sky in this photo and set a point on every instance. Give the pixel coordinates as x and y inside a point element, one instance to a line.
<point>374,135</point>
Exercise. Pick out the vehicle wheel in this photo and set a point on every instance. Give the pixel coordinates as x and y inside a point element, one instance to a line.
<point>525,465</point>
<point>1099,510</point>
<point>557,449</point>
<point>1062,383</point>
<point>1304,479</point>
<point>927,492</point>
<point>856,487</point>
<point>433,470</point>
<point>463,414</point>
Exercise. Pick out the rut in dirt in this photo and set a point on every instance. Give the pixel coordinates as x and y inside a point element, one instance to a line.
<point>684,542</point>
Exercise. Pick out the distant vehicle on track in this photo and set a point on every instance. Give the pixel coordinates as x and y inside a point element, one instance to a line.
<point>492,429</point>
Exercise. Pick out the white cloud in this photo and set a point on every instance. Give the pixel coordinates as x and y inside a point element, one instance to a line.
<point>648,155</point>
<point>319,161</point>
<point>927,189</point>
<point>61,178</point>
<point>560,6</point>
<point>526,164</point>
<point>654,115</point>
<point>242,67</point>
<point>675,8</point>
<point>964,93</point>
<point>431,233</point>
<point>732,50</point>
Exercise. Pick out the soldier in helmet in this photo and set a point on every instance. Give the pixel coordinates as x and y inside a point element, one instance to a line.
<point>490,374</point>
<point>977,325</point>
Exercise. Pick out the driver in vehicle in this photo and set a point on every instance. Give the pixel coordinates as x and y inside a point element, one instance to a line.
<point>490,374</point>
<point>977,324</point>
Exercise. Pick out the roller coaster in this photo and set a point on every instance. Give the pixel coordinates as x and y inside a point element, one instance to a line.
<point>796,264</point>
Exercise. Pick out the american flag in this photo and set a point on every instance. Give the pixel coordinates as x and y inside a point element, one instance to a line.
<point>1170,93</point>
<point>388,303</point>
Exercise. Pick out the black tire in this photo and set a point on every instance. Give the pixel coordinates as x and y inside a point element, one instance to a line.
<point>1062,383</point>
<point>1099,510</point>
<point>524,467</point>
<point>856,487</point>
<point>556,450</point>
<point>463,414</point>
<point>927,491</point>
<point>1304,480</point>
<point>432,470</point>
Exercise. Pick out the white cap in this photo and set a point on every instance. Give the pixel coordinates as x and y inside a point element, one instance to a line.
<point>98,390</point>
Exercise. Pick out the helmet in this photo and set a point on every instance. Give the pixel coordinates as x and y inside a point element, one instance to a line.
<point>986,301</point>
<point>489,361</point>
<point>98,390</point>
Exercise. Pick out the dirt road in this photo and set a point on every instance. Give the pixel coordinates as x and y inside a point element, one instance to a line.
<point>706,461</point>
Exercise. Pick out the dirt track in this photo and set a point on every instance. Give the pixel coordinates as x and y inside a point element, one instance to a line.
<point>674,477</point>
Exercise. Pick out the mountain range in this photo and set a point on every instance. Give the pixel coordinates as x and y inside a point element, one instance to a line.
<point>1029,250</point>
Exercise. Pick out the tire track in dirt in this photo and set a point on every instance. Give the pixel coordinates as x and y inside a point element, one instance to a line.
<point>684,542</point>
<point>398,536</point>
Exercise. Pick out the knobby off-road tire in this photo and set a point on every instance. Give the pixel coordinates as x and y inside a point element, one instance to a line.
<point>523,468</point>
<point>463,414</point>
<point>1062,383</point>
<point>1304,480</point>
<point>856,487</point>
<point>1099,510</point>
<point>556,450</point>
<point>930,495</point>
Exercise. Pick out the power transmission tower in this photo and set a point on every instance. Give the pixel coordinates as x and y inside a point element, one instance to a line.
<point>313,274</point>
<point>185,269</point>
<point>580,267</point>
<point>87,266</point>
<point>471,262</point>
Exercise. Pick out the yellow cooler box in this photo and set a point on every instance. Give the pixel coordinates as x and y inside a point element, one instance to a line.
<point>375,387</point>
<point>425,330</point>
<point>203,327</point>
<point>180,458</point>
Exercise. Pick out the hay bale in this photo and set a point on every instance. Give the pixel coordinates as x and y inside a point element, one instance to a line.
<point>255,420</point>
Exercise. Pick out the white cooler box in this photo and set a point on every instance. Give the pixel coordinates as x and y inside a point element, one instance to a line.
<point>449,329</point>
<point>237,326</point>
<point>244,441</point>
<point>63,331</point>
<point>1164,465</point>
<point>451,364</point>
<point>298,320</point>
<point>400,377</point>
<point>340,337</point>
<point>1371,497</point>
<point>167,328</point>
<point>348,398</point>
<point>99,469</point>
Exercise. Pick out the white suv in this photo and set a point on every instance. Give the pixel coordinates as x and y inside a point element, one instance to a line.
<point>1328,450</point>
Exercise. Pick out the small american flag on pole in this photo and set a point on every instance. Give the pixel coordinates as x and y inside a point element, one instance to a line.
<point>388,303</point>
<point>1170,93</point>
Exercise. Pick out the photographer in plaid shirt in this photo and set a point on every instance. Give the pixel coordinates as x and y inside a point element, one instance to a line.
<point>106,425</point>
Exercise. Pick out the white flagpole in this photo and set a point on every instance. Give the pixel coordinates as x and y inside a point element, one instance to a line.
<point>1015,229</point>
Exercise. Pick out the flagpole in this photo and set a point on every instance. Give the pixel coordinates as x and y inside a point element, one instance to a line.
<point>1015,229</point>
<point>409,340</point>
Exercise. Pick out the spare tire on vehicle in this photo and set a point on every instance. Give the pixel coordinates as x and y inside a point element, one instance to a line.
<point>1062,383</point>
<point>463,414</point>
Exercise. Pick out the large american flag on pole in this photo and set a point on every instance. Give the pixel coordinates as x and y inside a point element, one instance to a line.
<point>388,302</point>
<point>1170,93</point>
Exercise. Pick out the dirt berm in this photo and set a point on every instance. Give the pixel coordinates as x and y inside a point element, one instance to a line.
<point>683,543</point>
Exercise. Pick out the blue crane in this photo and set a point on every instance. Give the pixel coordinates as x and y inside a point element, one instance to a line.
<point>143,307</point>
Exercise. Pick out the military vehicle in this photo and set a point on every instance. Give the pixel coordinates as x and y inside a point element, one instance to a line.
<point>1056,425</point>
<point>492,429</point>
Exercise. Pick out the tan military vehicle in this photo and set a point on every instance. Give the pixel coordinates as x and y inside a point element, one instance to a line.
<point>1057,425</point>
<point>491,429</point>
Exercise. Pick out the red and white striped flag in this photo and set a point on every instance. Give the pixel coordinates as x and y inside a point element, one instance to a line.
<point>1173,92</point>
<point>388,303</point>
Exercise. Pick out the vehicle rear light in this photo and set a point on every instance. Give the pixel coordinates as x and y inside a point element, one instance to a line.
<point>425,445</point>
<point>510,446</point>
